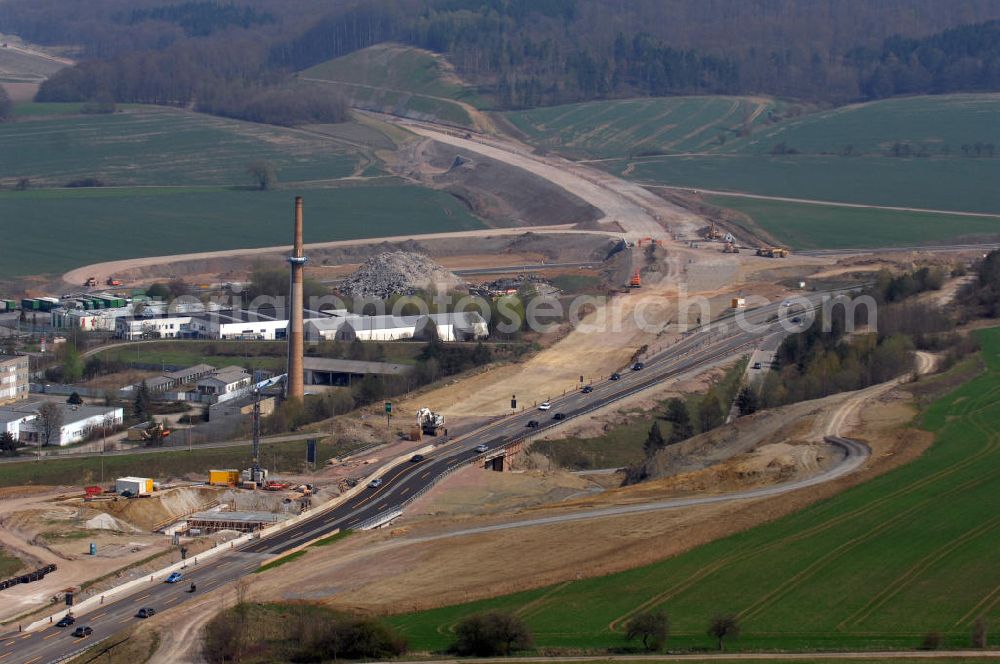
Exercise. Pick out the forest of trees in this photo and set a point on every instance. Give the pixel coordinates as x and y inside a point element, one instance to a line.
<point>523,52</point>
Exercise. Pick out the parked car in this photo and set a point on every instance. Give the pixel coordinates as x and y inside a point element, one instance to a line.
<point>66,621</point>
<point>587,389</point>
<point>146,612</point>
<point>82,631</point>
<point>559,416</point>
<point>482,448</point>
<point>796,320</point>
<point>756,365</point>
<point>174,577</point>
<point>616,376</point>
<point>545,405</point>
<point>375,483</point>
<point>417,458</point>
<point>638,366</point>
<point>533,424</point>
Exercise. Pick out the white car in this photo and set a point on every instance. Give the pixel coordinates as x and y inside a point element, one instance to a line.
<point>545,405</point>
<point>375,483</point>
<point>482,448</point>
<point>786,303</point>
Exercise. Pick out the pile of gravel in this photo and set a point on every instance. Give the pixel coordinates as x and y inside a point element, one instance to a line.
<point>397,273</point>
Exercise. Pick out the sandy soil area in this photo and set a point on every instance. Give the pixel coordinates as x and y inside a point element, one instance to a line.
<point>420,566</point>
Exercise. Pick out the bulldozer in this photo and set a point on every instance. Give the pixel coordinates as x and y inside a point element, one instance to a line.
<point>730,248</point>
<point>91,282</point>
<point>635,281</point>
<point>772,252</point>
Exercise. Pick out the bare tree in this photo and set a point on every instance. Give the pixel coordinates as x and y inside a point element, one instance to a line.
<point>652,627</point>
<point>724,627</point>
<point>980,632</point>
<point>263,173</point>
<point>50,421</point>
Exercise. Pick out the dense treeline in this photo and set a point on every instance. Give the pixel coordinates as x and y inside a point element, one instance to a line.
<point>818,362</point>
<point>199,19</point>
<point>6,106</point>
<point>533,52</point>
<point>966,58</point>
<point>982,296</point>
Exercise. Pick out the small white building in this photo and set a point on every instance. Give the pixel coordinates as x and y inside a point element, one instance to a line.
<point>225,383</point>
<point>24,422</point>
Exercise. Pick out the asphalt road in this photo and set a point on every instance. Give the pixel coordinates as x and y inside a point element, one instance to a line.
<point>700,349</point>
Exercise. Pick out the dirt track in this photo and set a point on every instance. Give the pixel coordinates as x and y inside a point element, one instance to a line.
<point>102,271</point>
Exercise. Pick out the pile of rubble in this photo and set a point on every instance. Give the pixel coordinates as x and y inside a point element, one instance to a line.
<point>397,273</point>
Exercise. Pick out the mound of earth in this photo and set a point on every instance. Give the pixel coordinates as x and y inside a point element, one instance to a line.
<point>397,273</point>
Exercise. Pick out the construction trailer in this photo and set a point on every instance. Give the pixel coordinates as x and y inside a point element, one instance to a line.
<point>227,477</point>
<point>136,486</point>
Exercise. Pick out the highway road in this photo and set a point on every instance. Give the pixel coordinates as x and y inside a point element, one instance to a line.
<point>702,348</point>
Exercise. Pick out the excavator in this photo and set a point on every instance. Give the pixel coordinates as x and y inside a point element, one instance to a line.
<point>772,252</point>
<point>635,281</point>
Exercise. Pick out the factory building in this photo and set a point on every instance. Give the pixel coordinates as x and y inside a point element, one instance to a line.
<point>329,372</point>
<point>461,326</point>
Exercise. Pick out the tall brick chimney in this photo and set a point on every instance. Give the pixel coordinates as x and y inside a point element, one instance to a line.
<point>293,386</point>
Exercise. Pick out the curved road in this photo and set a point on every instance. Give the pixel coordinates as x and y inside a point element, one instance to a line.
<point>401,485</point>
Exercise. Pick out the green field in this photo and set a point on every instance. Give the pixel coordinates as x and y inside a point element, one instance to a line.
<point>286,456</point>
<point>159,146</point>
<point>401,80</point>
<point>804,226</point>
<point>9,565</point>
<point>937,123</point>
<point>876,567</point>
<point>256,354</point>
<point>52,230</point>
<point>630,127</point>
<point>965,185</point>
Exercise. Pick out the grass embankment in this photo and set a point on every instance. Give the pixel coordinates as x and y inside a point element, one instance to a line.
<point>286,456</point>
<point>876,567</point>
<point>622,444</point>
<point>401,80</point>
<point>9,565</point>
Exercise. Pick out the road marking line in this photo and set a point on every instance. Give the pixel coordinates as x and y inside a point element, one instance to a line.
<point>6,655</point>
<point>405,491</point>
<point>46,638</point>
<point>32,661</point>
<point>424,476</point>
<point>141,597</point>
<point>172,599</point>
<point>95,617</point>
<point>125,619</point>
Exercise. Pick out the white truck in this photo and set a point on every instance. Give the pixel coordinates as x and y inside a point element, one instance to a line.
<point>430,423</point>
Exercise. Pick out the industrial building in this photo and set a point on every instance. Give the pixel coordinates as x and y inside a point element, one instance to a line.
<point>323,371</point>
<point>224,383</point>
<point>23,421</point>
<point>460,326</point>
<point>13,378</point>
<point>229,324</point>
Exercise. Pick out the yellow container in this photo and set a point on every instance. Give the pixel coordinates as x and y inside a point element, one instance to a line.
<point>224,477</point>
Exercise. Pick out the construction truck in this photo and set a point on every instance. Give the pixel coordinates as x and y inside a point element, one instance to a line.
<point>91,282</point>
<point>111,281</point>
<point>772,252</point>
<point>430,423</point>
<point>635,281</point>
<point>712,233</point>
<point>730,248</point>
